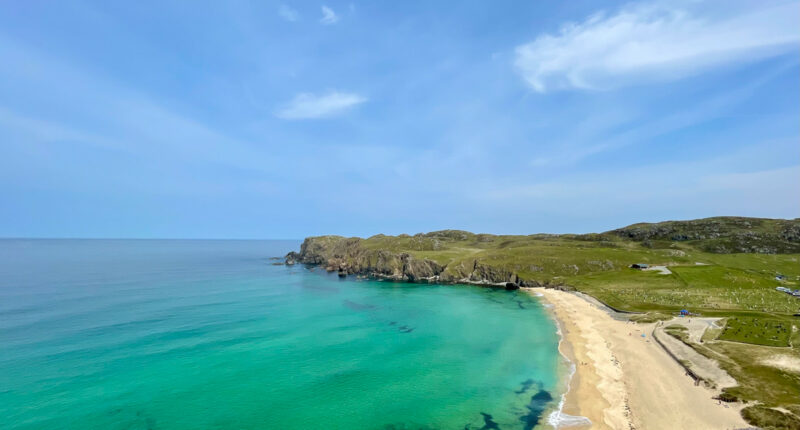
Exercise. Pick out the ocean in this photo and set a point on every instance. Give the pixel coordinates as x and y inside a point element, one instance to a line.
<point>210,334</point>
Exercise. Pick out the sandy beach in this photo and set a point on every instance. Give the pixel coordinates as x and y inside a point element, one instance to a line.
<point>625,381</point>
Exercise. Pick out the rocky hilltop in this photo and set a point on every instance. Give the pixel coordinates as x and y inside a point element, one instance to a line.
<point>723,235</point>
<point>454,256</point>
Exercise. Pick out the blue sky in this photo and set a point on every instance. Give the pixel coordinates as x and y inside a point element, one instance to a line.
<point>257,119</point>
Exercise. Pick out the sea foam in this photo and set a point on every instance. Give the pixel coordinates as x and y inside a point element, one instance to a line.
<point>558,419</point>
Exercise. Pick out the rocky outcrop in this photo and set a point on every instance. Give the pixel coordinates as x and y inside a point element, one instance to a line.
<point>475,272</point>
<point>349,256</point>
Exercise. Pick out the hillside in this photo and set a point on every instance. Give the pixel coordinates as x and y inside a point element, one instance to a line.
<point>723,235</point>
<point>704,272</point>
<point>699,253</point>
<point>459,256</point>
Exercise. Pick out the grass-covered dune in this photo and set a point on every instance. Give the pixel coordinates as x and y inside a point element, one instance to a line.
<point>727,267</point>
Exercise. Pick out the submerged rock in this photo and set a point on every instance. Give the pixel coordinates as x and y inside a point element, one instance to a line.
<point>488,422</point>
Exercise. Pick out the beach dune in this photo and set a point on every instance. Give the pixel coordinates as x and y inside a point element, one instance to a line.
<point>624,380</point>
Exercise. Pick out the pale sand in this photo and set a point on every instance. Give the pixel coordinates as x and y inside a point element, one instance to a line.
<point>622,381</point>
<point>785,362</point>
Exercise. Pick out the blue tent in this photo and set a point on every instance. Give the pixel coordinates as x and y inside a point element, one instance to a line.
<point>684,312</point>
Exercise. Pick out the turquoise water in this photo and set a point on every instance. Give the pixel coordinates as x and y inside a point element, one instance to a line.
<point>136,334</point>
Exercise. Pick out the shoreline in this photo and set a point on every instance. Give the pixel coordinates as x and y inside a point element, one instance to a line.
<point>558,418</point>
<point>580,407</point>
<point>619,379</point>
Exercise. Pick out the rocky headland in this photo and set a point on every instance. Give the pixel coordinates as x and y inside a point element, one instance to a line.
<point>350,256</point>
<point>541,260</point>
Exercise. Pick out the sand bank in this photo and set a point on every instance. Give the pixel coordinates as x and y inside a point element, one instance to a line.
<point>625,381</point>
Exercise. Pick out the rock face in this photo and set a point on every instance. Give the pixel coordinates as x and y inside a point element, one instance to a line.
<point>350,256</point>
<point>482,274</point>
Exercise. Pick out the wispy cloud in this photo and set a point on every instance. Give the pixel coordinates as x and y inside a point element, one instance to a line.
<point>307,106</point>
<point>621,127</point>
<point>123,110</point>
<point>328,16</point>
<point>656,42</point>
<point>288,13</point>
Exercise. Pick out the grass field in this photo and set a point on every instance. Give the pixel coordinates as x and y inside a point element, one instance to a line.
<point>759,331</point>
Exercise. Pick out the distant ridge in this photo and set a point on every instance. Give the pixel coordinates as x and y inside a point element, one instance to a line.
<point>722,235</point>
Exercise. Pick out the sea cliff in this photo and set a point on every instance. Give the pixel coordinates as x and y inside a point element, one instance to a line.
<point>350,256</point>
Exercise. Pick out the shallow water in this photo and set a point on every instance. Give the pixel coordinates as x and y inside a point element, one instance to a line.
<point>133,334</point>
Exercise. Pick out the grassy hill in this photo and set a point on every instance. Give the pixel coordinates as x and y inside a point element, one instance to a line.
<point>724,267</point>
<point>721,234</point>
<point>717,264</point>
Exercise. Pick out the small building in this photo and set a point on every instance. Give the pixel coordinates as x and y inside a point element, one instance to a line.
<point>639,266</point>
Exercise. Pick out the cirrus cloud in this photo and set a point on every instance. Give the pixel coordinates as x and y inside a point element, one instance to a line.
<point>656,42</point>
<point>328,16</point>
<point>309,106</point>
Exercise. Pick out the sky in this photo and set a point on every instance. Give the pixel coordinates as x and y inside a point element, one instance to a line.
<point>259,119</point>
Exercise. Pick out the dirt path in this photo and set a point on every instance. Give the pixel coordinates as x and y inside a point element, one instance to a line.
<point>702,366</point>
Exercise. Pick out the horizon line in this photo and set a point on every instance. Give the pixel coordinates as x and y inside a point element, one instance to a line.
<point>135,238</point>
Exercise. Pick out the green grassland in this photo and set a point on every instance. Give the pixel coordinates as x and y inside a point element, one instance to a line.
<point>723,267</point>
<point>759,331</point>
<point>599,265</point>
<point>702,281</point>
